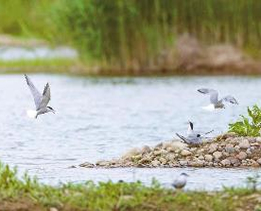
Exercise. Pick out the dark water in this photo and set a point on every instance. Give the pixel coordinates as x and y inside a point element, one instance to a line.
<point>102,118</point>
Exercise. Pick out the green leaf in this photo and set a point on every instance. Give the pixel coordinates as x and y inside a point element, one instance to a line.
<point>248,125</point>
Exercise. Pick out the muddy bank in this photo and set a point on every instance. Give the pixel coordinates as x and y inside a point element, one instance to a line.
<point>187,56</point>
<point>226,150</point>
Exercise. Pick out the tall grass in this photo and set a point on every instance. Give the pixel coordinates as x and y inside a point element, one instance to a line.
<point>116,32</point>
<point>133,34</point>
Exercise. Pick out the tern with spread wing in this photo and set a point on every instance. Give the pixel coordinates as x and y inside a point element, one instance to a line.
<point>215,102</point>
<point>193,137</point>
<point>41,100</point>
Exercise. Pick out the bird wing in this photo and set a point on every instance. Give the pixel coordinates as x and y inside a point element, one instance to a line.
<point>230,99</point>
<point>183,138</point>
<point>213,94</point>
<point>190,128</point>
<point>36,94</point>
<point>46,96</point>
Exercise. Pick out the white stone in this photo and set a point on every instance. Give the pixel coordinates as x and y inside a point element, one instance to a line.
<point>217,155</point>
<point>242,156</point>
<point>157,152</point>
<point>145,149</point>
<point>237,148</point>
<point>229,148</point>
<point>155,163</point>
<point>201,157</point>
<point>163,160</point>
<point>258,139</point>
<point>244,144</point>
<point>185,152</point>
<point>170,157</point>
<point>234,161</point>
<point>208,158</point>
<point>225,162</point>
<point>130,153</point>
<point>183,162</point>
<point>212,148</point>
<point>197,163</point>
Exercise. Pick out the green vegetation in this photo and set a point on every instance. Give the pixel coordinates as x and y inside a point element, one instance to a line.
<point>248,126</point>
<point>133,35</point>
<point>38,65</point>
<point>29,194</point>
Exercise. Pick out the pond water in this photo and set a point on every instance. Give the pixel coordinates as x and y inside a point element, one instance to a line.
<point>12,53</point>
<point>101,118</point>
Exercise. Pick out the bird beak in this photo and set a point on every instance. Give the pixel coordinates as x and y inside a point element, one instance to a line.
<point>53,111</point>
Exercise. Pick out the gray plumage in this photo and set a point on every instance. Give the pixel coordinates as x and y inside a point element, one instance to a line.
<point>193,137</point>
<point>180,181</point>
<point>41,100</point>
<point>214,98</point>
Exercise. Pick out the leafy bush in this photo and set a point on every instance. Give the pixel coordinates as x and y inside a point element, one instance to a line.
<point>248,126</point>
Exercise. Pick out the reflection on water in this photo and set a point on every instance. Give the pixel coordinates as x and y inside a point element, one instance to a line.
<point>100,118</point>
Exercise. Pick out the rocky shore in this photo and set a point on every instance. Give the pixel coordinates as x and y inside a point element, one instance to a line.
<point>227,150</point>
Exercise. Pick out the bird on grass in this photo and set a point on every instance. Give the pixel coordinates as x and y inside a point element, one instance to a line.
<point>193,137</point>
<point>180,181</point>
<point>215,103</point>
<point>41,100</point>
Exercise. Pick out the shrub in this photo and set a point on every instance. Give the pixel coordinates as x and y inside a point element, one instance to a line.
<point>248,126</point>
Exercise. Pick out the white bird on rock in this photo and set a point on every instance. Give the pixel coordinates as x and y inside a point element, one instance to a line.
<point>193,137</point>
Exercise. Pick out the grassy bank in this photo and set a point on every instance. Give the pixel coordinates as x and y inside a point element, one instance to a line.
<point>29,194</point>
<point>132,37</point>
<point>39,65</point>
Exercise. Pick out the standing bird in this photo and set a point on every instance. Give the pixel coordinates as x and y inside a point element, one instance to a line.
<point>180,181</point>
<point>41,100</point>
<point>214,102</point>
<point>193,137</point>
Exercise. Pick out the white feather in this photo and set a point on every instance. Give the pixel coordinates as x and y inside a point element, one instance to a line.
<point>31,113</point>
<point>210,107</point>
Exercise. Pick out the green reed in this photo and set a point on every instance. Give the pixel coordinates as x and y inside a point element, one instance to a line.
<point>132,34</point>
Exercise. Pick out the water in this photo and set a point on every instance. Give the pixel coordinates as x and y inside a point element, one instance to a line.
<point>12,53</point>
<point>101,118</point>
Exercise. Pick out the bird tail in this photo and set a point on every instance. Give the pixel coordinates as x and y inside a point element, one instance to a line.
<point>209,132</point>
<point>31,114</point>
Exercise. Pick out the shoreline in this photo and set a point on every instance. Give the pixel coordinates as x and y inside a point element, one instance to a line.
<point>188,57</point>
<point>224,151</point>
<point>29,194</point>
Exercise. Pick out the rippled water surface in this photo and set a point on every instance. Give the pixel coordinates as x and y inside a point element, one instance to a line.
<point>102,118</point>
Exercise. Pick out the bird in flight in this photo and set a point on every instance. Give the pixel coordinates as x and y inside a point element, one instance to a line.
<point>193,137</point>
<point>41,100</point>
<point>215,103</point>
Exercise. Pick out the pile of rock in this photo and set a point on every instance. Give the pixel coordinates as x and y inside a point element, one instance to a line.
<point>227,150</point>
